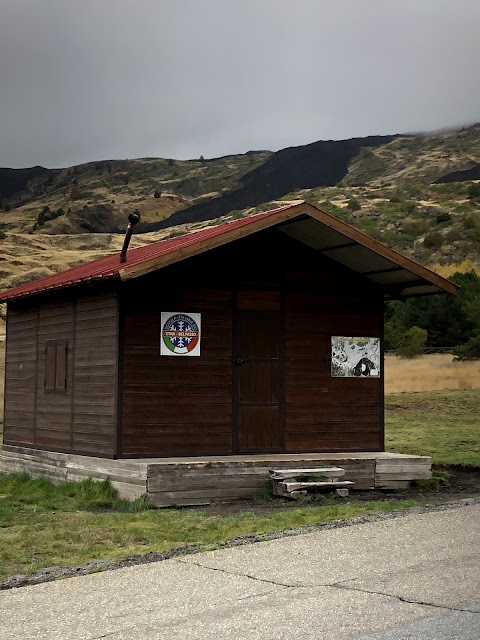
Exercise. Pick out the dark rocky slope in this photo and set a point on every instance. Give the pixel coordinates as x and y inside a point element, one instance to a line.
<point>320,164</point>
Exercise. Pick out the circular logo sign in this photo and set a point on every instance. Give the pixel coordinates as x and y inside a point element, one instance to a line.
<point>180,333</point>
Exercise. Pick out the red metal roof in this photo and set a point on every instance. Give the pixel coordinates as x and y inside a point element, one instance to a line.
<point>110,266</point>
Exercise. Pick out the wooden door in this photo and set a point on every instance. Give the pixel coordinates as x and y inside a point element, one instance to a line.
<point>258,382</point>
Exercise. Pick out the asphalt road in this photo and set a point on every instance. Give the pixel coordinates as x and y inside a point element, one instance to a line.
<point>415,577</point>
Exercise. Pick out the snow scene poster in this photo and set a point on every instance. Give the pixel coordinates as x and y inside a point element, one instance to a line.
<point>355,357</point>
<point>180,334</point>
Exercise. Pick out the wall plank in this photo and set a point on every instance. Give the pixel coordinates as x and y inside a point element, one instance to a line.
<point>56,419</point>
<point>20,376</point>
<point>95,364</point>
<point>177,405</point>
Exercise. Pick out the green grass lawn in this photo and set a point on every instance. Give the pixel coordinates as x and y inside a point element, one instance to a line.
<point>43,525</point>
<point>442,424</point>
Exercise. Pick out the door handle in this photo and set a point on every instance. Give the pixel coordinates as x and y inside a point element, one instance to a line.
<point>239,361</point>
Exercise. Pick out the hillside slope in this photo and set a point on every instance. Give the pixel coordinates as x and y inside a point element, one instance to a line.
<point>415,192</point>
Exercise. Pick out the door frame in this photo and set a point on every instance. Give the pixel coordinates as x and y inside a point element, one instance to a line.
<point>236,379</point>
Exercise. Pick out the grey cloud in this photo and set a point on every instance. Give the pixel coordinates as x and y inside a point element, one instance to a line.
<point>100,79</point>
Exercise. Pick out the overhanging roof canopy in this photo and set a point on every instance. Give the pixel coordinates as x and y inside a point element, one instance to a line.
<point>398,276</point>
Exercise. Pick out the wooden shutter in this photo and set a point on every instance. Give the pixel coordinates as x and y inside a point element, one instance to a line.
<point>56,365</point>
<point>50,366</point>
<point>61,367</point>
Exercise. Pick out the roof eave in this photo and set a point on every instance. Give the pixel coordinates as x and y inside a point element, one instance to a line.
<point>47,290</point>
<point>378,247</point>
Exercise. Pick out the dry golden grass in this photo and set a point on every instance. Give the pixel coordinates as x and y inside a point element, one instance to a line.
<point>447,270</point>
<point>430,373</point>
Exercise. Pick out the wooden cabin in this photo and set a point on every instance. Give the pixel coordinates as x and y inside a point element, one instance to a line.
<point>263,335</point>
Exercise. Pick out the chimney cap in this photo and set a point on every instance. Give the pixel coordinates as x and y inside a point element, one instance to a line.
<point>133,218</point>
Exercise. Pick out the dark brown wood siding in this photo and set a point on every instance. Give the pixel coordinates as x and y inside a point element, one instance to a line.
<point>54,415</point>
<point>95,365</point>
<point>193,405</point>
<point>325,413</point>
<point>20,376</point>
<point>177,405</point>
<point>78,416</point>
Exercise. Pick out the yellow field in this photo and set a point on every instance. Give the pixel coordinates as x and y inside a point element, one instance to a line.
<point>430,373</point>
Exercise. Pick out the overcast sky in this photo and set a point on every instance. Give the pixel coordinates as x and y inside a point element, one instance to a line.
<point>87,80</point>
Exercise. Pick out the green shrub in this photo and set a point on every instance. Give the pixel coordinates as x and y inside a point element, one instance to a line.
<point>415,228</point>
<point>409,207</point>
<point>444,216</point>
<point>433,240</point>
<point>473,190</point>
<point>453,235</point>
<point>470,350</point>
<point>413,343</point>
<point>473,234</point>
<point>354,205</point>
<point>469,222</point>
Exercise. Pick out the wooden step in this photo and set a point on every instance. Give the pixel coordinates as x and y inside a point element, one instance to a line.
<point>294,483</point>
<point>284,474</point>
<point>296,486</point>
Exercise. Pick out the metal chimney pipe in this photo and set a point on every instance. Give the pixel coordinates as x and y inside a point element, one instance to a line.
<point>133,219</point>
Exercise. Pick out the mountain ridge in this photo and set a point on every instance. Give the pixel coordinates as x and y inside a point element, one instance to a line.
<point>415,193</point>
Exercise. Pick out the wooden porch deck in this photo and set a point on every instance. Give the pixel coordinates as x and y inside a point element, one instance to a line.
<point>205,479</point>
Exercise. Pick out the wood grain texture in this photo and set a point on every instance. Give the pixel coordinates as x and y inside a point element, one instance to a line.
<point>325,413</point>
<point>183,406</point>
<point>20,376</point>
<point>61,374</point>
<point>96,353</point>
<point>176,405</point>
